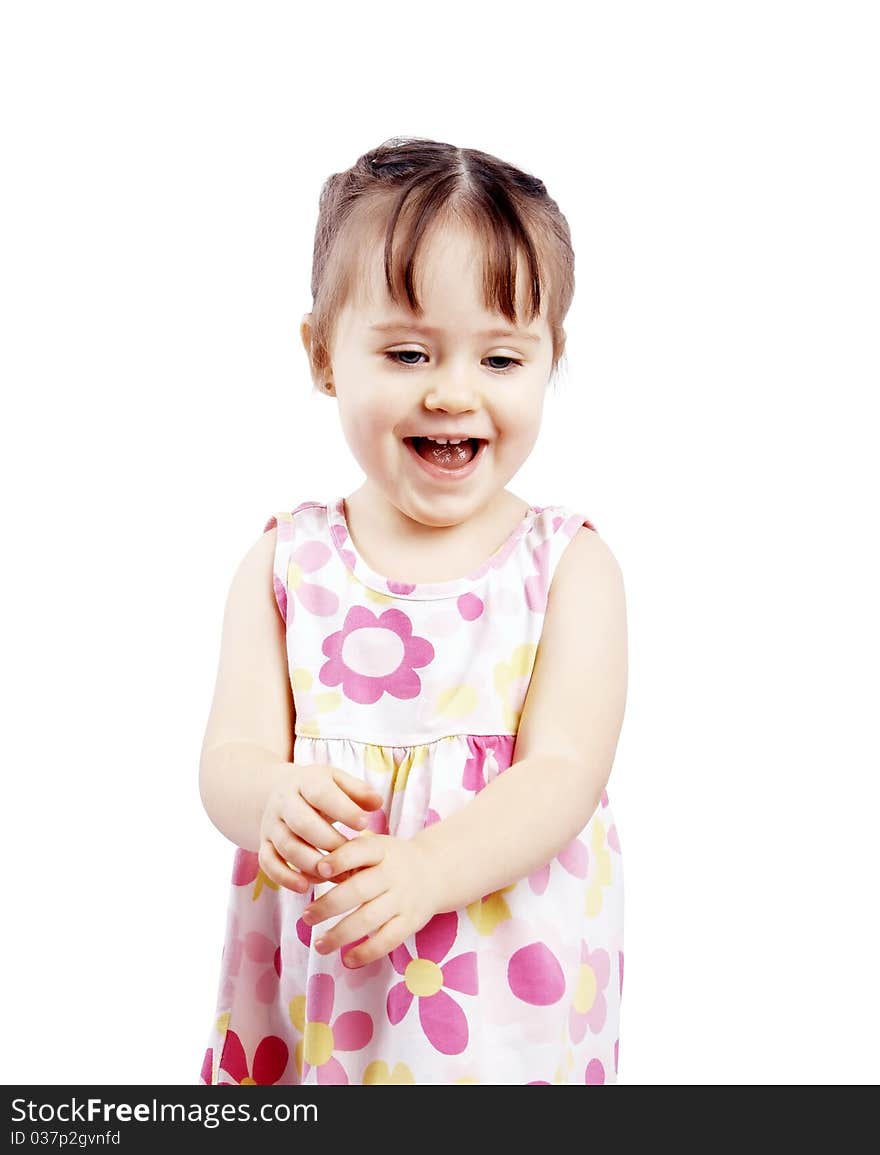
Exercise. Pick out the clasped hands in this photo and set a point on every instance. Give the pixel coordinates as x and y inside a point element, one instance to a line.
<point>389,884</point>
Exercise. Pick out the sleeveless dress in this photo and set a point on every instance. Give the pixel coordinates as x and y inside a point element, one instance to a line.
<point>418,690</point>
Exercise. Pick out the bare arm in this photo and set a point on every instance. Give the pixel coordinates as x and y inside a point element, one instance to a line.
<point>248,741</point>
<point>251,789</point>
<point>565,747</point>
<point>565,744</point>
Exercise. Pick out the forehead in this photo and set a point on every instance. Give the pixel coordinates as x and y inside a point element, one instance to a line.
<point>450,274</point>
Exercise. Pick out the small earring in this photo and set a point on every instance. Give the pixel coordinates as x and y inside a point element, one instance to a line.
<point>328,386</point>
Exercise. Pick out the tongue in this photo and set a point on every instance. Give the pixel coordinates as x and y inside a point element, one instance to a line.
<point>444,456</point>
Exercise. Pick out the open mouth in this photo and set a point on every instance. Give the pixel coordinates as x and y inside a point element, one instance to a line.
<point>419,442</point>
<point>446,457</point>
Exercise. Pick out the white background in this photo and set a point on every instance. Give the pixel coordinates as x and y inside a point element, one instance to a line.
<point>718,165</point>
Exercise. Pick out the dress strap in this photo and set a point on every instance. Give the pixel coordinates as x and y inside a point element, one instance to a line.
<point>283,520</point>
<point>553,531</point>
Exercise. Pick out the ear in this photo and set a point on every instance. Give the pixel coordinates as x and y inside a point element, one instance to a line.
<point>305,332</point>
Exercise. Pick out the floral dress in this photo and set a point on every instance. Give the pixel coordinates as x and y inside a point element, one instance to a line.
<point>418,690</point>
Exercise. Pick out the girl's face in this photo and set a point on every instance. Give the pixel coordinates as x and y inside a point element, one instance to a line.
<point>398,376</point>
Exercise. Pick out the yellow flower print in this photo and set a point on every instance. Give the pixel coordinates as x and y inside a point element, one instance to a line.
<point>309,704</point>
<point>486,913</point>
<point>377,1074</point>
<point>601,875</point>
<point>414,757</point>
<point>221,1027</point>
<point>457,702</point>
<point>561,1076</point>
<point>511,681</point>
<point>379,759</point>
<point>374,596</point>
<point>462,1075</point>
<point>312,1016</point>
<point>246,869</point>
<point>262,880</point>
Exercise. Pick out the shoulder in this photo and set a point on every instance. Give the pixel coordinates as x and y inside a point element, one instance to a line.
<point>585,619</point>
<point>576,696</point>
<point>586,562</point>
<point>255,567</point>
<point>257,576</point>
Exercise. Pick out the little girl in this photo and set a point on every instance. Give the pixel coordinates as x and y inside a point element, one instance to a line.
<point>422,685</point>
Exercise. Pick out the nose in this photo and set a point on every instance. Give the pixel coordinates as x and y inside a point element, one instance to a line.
<point>452,393</point>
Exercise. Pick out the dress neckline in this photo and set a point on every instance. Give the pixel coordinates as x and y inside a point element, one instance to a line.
<point>417,591</point>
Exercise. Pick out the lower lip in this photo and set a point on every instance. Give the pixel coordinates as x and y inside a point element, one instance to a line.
<point>448,474</point>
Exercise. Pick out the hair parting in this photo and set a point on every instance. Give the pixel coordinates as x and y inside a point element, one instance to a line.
<point>395,194</point>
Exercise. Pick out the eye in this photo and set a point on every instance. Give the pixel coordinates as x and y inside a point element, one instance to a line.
<point>404,353</point>
<point>510,360</point>
<point>393,355</point>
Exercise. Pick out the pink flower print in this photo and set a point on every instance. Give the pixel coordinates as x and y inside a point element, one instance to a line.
<point>340,536</point>
<point>538,584</point>
<point>574,857</point>
<point>246,869</point>
<point>535,975</point>
<point>470,606</point>
<point>311,1016</point>
<point>270,1061</point>
<point>263,951</point>
<point>489,755</point>
<point>589,1007</point>
<point>317,599</point>
<point>372,655</point>
<point>442,1019</point>
<point>512,682</point>
<point>257,948</point>
<point>233,949</point>
<point>497,560</point>
<point>594,1075</point>
<point>523,965</point>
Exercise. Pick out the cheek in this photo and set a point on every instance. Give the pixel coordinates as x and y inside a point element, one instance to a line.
<point>365,424</point>
<point>520,432</point>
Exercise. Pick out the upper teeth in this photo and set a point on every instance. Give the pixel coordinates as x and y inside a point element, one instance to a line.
<point>448,440</point>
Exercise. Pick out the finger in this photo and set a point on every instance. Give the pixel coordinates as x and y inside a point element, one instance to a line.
<point>363,886</point>
<point>357,789</point>
<point>277,870</point>
<point>365,850</point>
<point>310,825</point>
<point>332,801</point>
<point>367,918</point>
<point>382,943</point>
<point>293,850</point>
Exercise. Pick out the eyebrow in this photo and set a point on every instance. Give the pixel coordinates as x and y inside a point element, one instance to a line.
<point>392,326</point>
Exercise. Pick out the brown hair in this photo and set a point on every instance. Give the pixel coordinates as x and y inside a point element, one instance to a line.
<point>417,181</point>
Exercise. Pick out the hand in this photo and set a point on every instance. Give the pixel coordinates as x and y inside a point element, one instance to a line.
<point>295,828</point>
<point>391,884</point>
